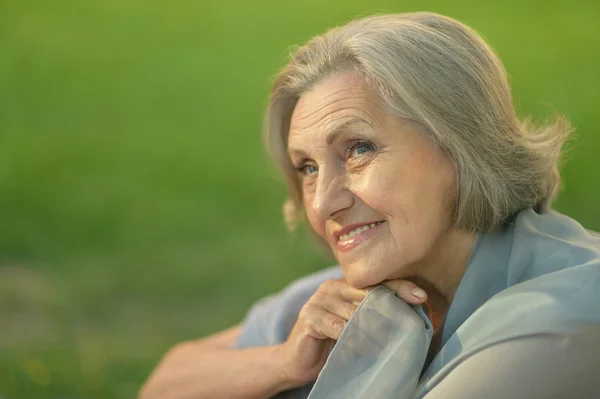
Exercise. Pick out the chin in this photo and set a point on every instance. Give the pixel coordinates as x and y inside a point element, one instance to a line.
<point>360,277</point>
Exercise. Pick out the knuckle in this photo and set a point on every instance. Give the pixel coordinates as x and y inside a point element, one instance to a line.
<point>314,303</point>
<point>317,297</point>
<point>325,286</point>
<point>352,307</point>
<point>306,312</point>
<point>328,286</point>
<point>337,325</point>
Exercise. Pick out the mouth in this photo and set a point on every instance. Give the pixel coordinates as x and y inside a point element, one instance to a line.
<point>352,236</point>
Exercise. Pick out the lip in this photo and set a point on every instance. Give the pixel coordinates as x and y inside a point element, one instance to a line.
<point>350,227</point>
<point>347,245</point>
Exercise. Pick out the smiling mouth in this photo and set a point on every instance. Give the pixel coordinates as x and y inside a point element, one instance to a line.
<point>357,231</point>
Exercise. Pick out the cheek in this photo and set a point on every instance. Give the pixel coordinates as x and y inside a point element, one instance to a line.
<point>316,223</point>
<point>377,188</point>
<point>440,181</point>
<point>410,191</point>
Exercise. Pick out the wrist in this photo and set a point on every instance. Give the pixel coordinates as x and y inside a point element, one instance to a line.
<point>286,376</point>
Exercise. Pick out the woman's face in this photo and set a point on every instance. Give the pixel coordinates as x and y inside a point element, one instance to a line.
<point>374,187</point>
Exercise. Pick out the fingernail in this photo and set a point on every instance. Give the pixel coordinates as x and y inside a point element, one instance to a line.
<point>419,293</point>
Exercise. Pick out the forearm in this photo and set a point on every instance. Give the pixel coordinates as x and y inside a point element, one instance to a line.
<point>218,372</point>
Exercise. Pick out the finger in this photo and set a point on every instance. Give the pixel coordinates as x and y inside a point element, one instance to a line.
<point>323,323</point>
<point>335,305</point>
<point>406,290</point>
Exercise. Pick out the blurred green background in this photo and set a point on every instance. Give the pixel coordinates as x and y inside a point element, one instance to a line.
<point>137,208</point>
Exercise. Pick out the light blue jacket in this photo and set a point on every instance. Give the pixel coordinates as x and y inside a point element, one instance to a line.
<point>524,323</point>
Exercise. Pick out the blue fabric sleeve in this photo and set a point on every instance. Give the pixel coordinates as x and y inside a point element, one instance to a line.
<point>271,319</point>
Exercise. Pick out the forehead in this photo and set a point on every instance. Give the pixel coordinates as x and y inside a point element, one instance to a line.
<point>339,97</point>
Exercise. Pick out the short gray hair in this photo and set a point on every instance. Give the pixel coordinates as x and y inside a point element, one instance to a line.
<point>441,74</point>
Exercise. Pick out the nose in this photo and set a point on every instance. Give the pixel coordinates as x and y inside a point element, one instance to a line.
<point>331,194</point>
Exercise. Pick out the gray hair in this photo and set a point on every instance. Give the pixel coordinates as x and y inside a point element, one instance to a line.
<point>441,74</point>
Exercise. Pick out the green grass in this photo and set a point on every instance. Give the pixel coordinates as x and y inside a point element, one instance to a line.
<point>136,206</point>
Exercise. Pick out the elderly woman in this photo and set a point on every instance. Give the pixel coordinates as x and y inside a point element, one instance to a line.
<point>400,143</point>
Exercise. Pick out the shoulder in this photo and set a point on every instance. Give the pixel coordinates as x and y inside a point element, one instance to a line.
<point>552,280</point>
<point>270,320</point>
<point>533,366</point>
<point>538,336</point>
<point>553,272</point>
<point>543,266</point>
<point>548,242</point>
<point>541,277</point>
<point>544,304</point>
<point>554,304</point>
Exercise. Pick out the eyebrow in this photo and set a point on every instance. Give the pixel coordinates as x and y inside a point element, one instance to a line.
<point>332,136</point>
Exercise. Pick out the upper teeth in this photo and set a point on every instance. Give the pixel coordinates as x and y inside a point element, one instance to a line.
<point>356,231</point>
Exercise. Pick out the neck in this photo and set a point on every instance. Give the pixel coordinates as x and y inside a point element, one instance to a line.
<point>440,273</point>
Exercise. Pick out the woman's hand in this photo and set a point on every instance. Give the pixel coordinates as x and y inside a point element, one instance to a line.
<point>322,320</point>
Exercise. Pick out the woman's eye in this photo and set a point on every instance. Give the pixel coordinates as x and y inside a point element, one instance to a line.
<point>360,148</point>
<point>307,169</point>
